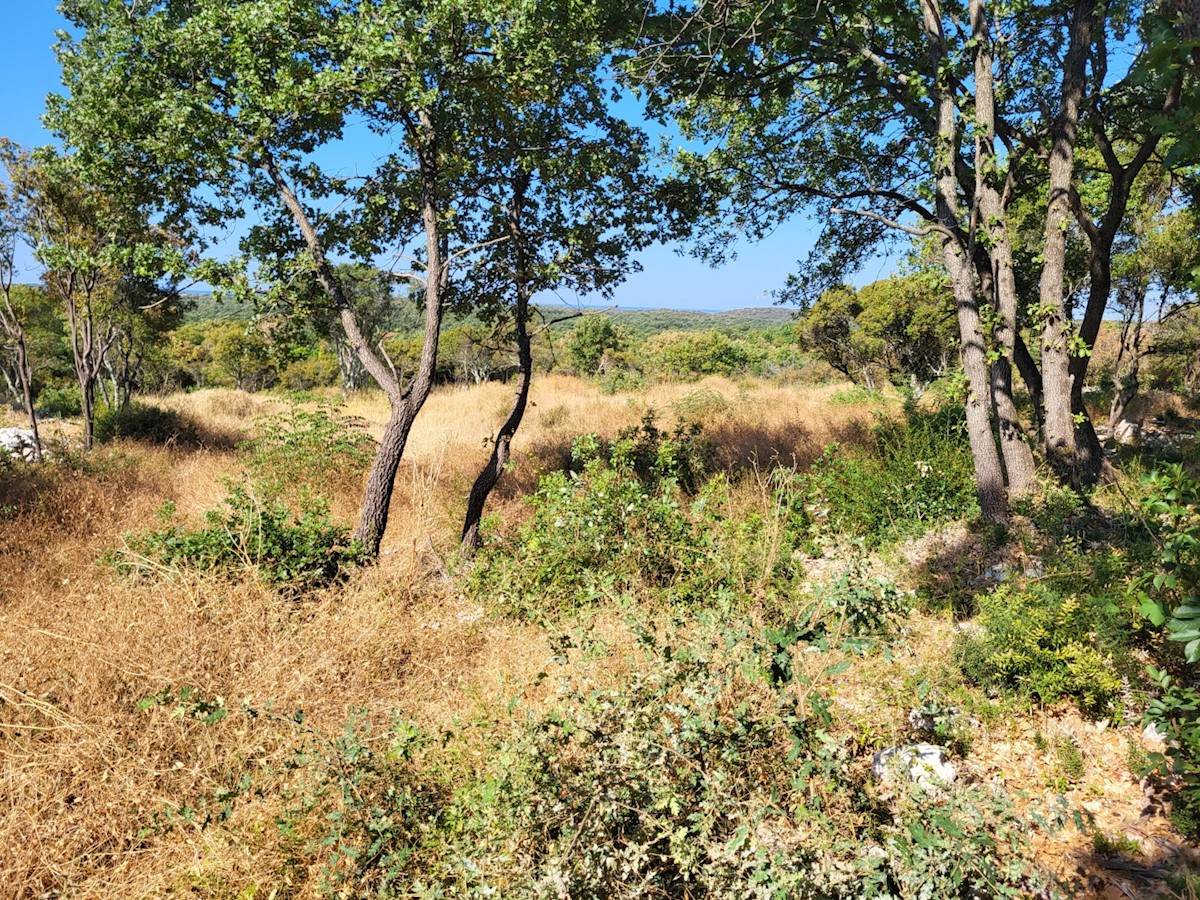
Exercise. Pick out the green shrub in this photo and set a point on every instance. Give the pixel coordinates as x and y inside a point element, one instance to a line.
<point>1040,643</point>
<point>918,472</point>
<point>297,553</point>
<point>698,777</point>
<point>319,370</point>
<point>61,402</point>
<point>363,806</point>
<point>1170,599</point>
<point>303,451</point>
<point>141,422</point>
<point>621,525</point>
<point>679,782</point>
<point>869,606</point>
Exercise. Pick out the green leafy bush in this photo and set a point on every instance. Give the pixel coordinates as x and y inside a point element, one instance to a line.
<point>1170,599</point>
<point>363,806</point>
<point>61,402</point>
<point>1049,645</point>
<point>142,422</point>
<point>868,605</point>
<point>248,535</point>
<point>699,777</point>
<point>302,452</point>
<point>621,525</point>
<point>679,782</point>
<point>918,472</point>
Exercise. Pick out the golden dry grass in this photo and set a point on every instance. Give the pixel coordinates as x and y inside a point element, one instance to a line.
<point>94,791</point>
<point>92,788</point>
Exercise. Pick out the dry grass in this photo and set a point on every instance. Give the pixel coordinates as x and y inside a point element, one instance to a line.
<point>93,791</point>
<point>92,788</point>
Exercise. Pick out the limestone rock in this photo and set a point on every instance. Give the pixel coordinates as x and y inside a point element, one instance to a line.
<point>18,442</point>
<point>923,764</point>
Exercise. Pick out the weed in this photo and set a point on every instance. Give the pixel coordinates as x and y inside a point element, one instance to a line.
<point>304,451</point>
<point>1038,642</point>
<point>918,473</point>
<point>296,553</point>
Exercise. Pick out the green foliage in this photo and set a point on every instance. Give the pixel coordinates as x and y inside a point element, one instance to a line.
<point>187,703</point>
<point>1170,599</point>
<point>303,451</point>
<point>681,781</point>
<point>693,355</point>
<point>967,842</point>
<point>295,553</point>
<point>61,402</point>
<point>370,808</point>
<point>318,370</point>
<point>869,605</point>
<point>1041,643</point>
<point>141,422</point>
<point>699,777</point>
<point>917,473</point>
<point>594,340</point>
<point>630,520</point>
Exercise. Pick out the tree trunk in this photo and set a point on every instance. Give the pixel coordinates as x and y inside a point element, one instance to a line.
<point>24,373</point>
<point>989,476</point>
<point>404,403</point>
<point>1018,458</point>
<point>491,472</point>
<point>1057,333</point>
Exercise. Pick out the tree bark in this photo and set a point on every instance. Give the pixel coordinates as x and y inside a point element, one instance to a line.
<point>404,404</point>
<point>1018,458</point>
<point>989,476</point>
<point>1057,330</point>
<point>489,476</point>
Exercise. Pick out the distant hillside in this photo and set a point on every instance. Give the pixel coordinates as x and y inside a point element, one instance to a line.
<point>638,321</point>
<point>651,321</point>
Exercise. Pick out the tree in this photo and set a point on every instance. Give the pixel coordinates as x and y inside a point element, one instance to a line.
<point>209,104</point>
<point>103,264</point>
<point>13,312</point>
<point>568,197</point>
<point>886,120</point>
<point>594,341</point>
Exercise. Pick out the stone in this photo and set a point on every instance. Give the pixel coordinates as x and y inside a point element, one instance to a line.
<point>1128,434</point>
<point>922,764</point>
<point>18,442</point>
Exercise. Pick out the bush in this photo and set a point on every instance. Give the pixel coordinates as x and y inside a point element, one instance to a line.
<point>1170,599</point>
<point>1040,643</point>
<point>61,402</point>
<point>622,525</point>
<point>869,606</point>
<point>699,777</point>
<point>304,452</point>
<point>141,422</point>
<point>319,370</point>
<point>297,553</point>
<point>917,473</point>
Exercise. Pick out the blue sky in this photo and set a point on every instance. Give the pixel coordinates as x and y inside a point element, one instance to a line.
<point>28,71</point>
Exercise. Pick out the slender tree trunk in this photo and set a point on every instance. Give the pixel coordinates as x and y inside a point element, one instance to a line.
<point>989,476</point>
<point>404,403</point>
<point>24,374</point>
<point>11,324</point>
<point>501,445</point>
<point>1018,458</point>
<point>1057,335</point>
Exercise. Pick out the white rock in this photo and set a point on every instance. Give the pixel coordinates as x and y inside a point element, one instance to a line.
<point>18,442</point>
<point>923,764</point>
<point>1127,433</point>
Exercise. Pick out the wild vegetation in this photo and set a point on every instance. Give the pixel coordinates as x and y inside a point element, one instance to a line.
<point>372,574</point>
<point>666,671</point>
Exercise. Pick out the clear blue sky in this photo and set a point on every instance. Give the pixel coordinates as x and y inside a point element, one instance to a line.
<point>28,71</point>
